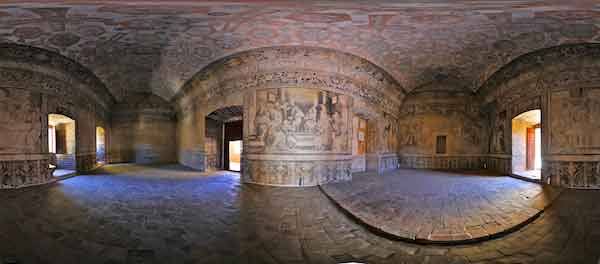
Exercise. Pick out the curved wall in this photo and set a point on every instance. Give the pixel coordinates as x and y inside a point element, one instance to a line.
<point>298,106</point>
<point>34,83</point>
<point>564,82</point>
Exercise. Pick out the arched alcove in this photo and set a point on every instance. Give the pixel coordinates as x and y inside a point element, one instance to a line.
<point>298,105</point>
<point>35,84</point>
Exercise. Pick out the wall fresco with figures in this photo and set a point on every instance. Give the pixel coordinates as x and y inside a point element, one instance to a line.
<point>293,121</point>
<point>573,118</point>
<point>498,139</point>
<point>296,120</point>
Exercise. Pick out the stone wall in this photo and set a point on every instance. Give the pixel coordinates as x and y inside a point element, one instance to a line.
<point>564,82</point>
<point>143,128</point>
<point>35,83</point>
<point>298,105</point>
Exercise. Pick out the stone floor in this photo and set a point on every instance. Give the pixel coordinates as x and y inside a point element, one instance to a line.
<point>441,207</point>
<point>134,214</point>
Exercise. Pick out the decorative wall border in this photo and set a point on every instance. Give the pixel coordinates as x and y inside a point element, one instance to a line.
<point>23,170</point>
<point>296,173</point>
<point>450,162</point>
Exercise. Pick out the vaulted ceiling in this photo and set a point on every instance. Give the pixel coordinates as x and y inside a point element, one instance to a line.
<point>158,45</point>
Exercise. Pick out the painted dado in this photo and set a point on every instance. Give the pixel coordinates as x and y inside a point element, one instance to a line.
<point>34,83</point>
<point>299,103</point>
<point>564,82</point>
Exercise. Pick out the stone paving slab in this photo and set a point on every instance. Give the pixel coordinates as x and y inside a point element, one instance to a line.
<point>428,206</point>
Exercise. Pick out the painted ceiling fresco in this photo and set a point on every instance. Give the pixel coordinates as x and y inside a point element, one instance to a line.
<point>158,45</point>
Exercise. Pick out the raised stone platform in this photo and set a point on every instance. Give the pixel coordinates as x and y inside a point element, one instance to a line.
<point>437,207</point>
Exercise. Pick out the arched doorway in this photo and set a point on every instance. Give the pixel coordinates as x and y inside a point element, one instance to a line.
<point>61,143</point>
<point>100,145</point>
<point>527,144</point>
<point>223,139</point>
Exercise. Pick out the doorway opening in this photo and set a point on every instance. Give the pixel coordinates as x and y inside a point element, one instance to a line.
<point>61,143</point>
<point>235,155</point>
<point>100,145</point>
<point>223,139</point>
<point>527,144</point>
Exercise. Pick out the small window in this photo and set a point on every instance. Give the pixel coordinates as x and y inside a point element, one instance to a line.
<point>440,145</point>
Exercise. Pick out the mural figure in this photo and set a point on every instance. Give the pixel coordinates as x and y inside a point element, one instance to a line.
<point>412,130</point>
<point>498,145</point>
<point>310,121</point>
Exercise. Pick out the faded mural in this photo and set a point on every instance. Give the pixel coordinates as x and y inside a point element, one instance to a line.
<point>573,120</point>
<point>19,121</point>
<point>308,129</point>
<point>300,120</point>
<point>498,141</point>
<point>391,135</point>
<point>410,132</point>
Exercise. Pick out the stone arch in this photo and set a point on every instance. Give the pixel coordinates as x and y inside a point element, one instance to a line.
<point>563,82</point>
<point>299,78</point>
<point>38,82</point>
